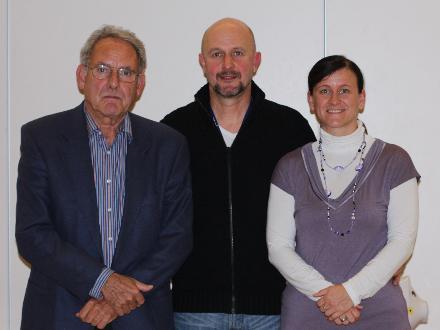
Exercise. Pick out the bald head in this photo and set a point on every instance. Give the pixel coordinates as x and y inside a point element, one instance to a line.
<point>226,28</point>
<point>229,59</point>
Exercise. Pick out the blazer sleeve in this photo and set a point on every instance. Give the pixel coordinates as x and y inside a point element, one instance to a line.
<point>175,238</point>
<point>37,233</point>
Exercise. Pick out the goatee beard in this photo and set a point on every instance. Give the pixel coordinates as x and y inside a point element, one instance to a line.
<point>229,93</point>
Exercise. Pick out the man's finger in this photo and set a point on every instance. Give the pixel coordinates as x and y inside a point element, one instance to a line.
<point>143,287</point>
<point>104,321</point>
<point>102,324</point>
<point>82,314</point>
<point>139,299</point>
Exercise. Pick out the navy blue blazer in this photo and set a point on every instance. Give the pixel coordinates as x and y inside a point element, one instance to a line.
<point>57,227</point>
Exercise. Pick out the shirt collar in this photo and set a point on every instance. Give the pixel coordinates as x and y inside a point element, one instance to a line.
<point>124,127</point>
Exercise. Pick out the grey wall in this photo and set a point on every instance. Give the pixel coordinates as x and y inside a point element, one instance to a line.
<point>393,41</point>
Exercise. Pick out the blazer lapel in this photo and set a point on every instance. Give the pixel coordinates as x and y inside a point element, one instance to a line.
<point>135,177</point>
<point>79,164</point>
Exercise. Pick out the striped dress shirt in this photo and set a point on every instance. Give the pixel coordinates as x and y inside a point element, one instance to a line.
<point>109,174</point>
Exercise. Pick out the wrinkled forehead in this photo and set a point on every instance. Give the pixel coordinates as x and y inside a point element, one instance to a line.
<point>113,51</point>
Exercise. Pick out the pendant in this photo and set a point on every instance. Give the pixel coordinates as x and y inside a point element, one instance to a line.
<point>339,168</point>
<point>359,167</point>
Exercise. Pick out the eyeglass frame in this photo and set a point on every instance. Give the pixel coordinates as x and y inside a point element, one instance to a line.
<point>119,70</point>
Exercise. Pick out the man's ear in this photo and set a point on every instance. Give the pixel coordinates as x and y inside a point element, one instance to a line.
<point>140,85</point>
<point>202,63</point>
<point>81,73</point>
<point>257,62</point>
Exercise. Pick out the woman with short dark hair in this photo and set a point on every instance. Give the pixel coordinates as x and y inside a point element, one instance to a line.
<point>343,214</point>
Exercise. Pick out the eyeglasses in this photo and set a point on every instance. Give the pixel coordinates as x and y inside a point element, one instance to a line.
<point>102,71</point>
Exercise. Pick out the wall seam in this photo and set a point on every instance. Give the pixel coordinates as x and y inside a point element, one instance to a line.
<point>325,28</point>
<point>8,141</point>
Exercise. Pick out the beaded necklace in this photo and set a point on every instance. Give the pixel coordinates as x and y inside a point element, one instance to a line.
<point>360,151</point>
<point>340,168</point>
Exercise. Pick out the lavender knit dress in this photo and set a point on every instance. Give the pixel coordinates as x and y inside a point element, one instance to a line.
<point>339,258</point>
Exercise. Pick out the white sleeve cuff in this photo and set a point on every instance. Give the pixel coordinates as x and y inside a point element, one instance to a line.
<point>352,293</point>
<point>95,291</point>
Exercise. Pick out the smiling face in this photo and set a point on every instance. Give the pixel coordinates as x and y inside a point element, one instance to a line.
<point>229,59</point>
<point>336,102</point>
<point>108,100</point>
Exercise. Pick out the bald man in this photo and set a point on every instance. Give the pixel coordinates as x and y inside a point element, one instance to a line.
<point>236,137</point>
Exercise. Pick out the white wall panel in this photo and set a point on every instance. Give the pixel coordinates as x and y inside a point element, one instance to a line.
<point>46,37</point>
<point>396,44</point>
<point>4,147</point>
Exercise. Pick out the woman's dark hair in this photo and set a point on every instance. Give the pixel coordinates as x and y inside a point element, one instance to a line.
<point>327,65</point>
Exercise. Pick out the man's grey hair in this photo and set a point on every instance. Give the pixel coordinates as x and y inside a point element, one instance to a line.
<point>111,31</point>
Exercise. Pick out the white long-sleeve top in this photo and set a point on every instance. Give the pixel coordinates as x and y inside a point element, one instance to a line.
<point>402,221</point>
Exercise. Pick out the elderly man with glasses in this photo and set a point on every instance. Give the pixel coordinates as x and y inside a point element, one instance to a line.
<point>103,201</point>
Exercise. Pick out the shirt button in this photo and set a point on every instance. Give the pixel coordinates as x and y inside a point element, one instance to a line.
<point>108,181</point>
<point>109,209</point>
<point>110,239</point>
<point>108,152</point>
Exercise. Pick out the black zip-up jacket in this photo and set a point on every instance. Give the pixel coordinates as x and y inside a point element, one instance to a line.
<point>228,270</point>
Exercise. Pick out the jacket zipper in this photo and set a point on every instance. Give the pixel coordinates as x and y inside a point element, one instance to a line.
<point>231,230</point>
<point>231,222</point>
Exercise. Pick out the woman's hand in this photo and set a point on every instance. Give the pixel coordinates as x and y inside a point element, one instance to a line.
<point>350,316</point>
<point>334,302</point>
<point>398,275</point>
